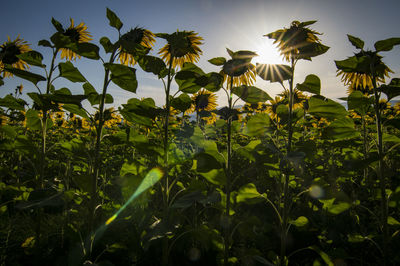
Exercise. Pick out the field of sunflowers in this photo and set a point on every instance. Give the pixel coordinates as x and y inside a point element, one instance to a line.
<point>297,179</point>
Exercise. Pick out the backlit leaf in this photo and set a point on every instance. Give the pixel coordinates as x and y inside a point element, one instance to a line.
<point>70,72</point>
<point>251,94</point>
<point>312,84</point>
<point>123,76</point>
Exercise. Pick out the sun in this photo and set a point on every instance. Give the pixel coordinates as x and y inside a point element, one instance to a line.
<point>267,53</point>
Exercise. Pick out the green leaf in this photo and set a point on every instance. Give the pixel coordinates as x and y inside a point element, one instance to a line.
<point>207,162</point>
<point>68,71</point>
<point>392,221</point>
<point>123,76</point>
<point>13,103</point>
<point>140,111</point>
<point>152,64</point>
<point>358,102</point>
<point>251,94</point>
<point>335,208</point>
<point>211,81</point>
<point>8,131</point>
<point>392,89</point>
<point>325,257</point>
<point>182,102</point>
<point>88,50</point>
<point>312,84</point>
<point>274,72</point>
<point>300,221</point>
<point>45,43</point>
<point>75,109</point>
<point>218,61</point>
<point>248,194</point>
<point>33,58</point>
<point>258,124</point>
<point>324,107</point>
<point>57,25</point>
<point>107,44</point>
<point>32,120</point>
<point>386,45</point>
<point>34,78</point>
<point>114,20</point>
<point>342,128</point>
<point>312,50</point>
<point>356,42</point>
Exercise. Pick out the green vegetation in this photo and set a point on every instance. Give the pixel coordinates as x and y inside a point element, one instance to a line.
<point>293,180</point>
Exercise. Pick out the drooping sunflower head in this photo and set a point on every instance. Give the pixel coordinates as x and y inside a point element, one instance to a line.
<point>297,41</point>
<point>361,79</point>
<point>8,55</point>
<point>137,37</point>
<point>78,34</point>
<point>239,68</point>
<point>273,105</point>
<point>181,47</point>
<point>298,98</point>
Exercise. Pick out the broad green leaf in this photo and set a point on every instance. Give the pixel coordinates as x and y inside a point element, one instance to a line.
<point>70,72</point>
<point>45,43</point>
<point>386,45</point>
<point>274,73</point>
<point>13,103</point>
<point>75,109</point>
<point>57,25</point>
<point>342,128</point>
<point>325,257</point>
<point>218,61</point>
<point>390,138</point>
<point>182,102</point>
<point>32,120</point>
<point>324,107</point>
<point>312,84</point>
<point>356,42</point>
<point>32,57</point>
<point>215,176</point>
<point>392,89</point>
<point>141,112</point>
<point>335,208</point>
<point>392,221</point>
<point>211,81</point>
<point>248,194</point>
<point>300,221</point>
<point>355,238</point>
<point>114,20</point>
<point>312,50</point>
<point>85,49</point>
<point>251,94</point>
<point>282,111</point>
<point>207,162</point>
<point>123,76</point>
<point>107,44</point>
<point>34,78</point>
<point>8,131</point>
<point>358,102</point>
<point>152,64</point>
<point>188,199</point>
<point>258,124</point>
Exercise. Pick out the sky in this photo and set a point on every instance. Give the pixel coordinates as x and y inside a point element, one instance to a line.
<point>233,24</point>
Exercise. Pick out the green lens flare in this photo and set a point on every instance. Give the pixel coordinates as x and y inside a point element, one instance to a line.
<point>151,178</point>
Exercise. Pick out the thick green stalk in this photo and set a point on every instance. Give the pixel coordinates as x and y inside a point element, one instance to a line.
<point>226,221</point>
<point>381,176</point>
<point>285,210</point>
<point>165,244</point>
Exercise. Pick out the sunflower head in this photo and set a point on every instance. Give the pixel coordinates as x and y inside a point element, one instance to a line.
<point>134,40</point>
<point>239,68</point>
<point>77,34</point>
<point>298,41</point>
<point>203,100</point>
<point>360,78</point>
<point>8,54</point>
<point>181,47</point>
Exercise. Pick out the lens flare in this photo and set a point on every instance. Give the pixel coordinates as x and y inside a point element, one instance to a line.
<point>316,192</point>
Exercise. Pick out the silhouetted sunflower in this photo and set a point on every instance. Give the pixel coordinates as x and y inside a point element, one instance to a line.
<point>8,55</point>
<point>202,101</point>
<point>181,47</point>
<point>298,41</point>
<point>362,80</point>
<point>77,34</point>
<point>136,36</point>
<point>240,68</point>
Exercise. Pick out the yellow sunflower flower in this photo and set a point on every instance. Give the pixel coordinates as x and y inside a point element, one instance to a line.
<point>362,80</point>
<point>204,100</point>
<point>240,68</point>
<point>135,36</point>
<point>8,55</point>
<point>78,34</point>
<point>298,98</point>
<point>181,47</point>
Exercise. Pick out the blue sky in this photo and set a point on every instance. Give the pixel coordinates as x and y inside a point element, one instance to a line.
<point>238,25</point>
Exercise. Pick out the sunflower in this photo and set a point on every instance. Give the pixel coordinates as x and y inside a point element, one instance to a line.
<point>181,47</point>
<point>78,34</point>
<point>362,79</point>
<point>204,102</point>
<point>298,98</point>
<point>298,41</point>
<point>239,68</point>
<point>136,36</point>
<point>8,55</point>
<point>273,105</point>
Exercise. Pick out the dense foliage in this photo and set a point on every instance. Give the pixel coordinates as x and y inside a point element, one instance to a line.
<point>293,180</point>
